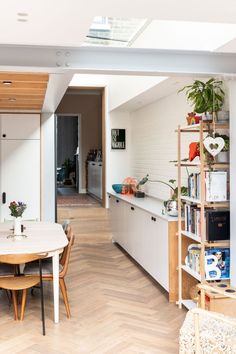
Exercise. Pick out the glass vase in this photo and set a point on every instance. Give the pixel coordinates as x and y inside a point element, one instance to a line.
<point>17,226</point>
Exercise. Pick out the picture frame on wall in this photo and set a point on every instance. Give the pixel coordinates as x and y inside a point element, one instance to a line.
<point>118,139</point>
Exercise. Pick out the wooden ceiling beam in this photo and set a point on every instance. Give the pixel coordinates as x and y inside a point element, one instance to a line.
<point>26,85</point>
<point>24,77</point>
<point>23,91</point>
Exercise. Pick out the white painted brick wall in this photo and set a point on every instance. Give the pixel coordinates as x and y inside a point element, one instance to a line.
<point>154,142</point>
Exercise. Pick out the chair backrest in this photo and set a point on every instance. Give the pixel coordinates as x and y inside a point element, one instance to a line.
<point>66,253</point>
<point>20,258</point>
<point>65,225</point>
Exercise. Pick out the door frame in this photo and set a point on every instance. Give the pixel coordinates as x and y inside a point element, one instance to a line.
<point>104,142</point>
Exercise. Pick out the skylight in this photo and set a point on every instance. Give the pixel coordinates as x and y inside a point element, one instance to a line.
<point>182,35</point>
<point>113,31</point>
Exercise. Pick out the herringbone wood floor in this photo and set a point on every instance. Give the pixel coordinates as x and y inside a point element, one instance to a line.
<point>116,308</point>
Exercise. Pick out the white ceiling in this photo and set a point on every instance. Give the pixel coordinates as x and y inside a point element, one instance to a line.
<point>65,23</point>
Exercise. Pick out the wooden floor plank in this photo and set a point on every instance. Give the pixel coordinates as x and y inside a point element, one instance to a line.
<point>116,308</point>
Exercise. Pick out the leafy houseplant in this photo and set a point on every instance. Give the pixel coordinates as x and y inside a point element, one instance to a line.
<point>17,209</point>
<point>68,166</point>
<point>172,184</point>
<point>171,204</point>
<point>205,96</point>
<point>223,156</point>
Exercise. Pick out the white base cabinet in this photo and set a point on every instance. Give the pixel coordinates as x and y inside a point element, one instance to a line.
<point>95,178</point>
<point>144,236</point>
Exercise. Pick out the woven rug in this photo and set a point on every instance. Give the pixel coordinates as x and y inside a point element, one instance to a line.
<point>79,200</point>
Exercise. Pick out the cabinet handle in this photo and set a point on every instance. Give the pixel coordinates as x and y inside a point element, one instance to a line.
<point>109,197</point>
<point>93,164</point>
<point>4,135</point>
<point>153,219</point>
<point>132,208</point>
<point>4,198</point>
<point>117,201</point>
<point>100,165</point>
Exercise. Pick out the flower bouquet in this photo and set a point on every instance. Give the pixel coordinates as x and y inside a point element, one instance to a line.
<point>17,209</point>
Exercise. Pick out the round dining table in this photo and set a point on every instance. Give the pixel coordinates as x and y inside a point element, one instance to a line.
<point>39,238</point>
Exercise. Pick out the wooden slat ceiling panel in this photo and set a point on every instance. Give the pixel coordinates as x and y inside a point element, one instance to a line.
<point>23,91</point>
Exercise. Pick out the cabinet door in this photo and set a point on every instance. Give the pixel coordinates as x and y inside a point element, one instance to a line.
<point>20,126</point>
<point>155,249</point>
<point>134,231</point>
<point>20,176</point>
<point>117,219</point>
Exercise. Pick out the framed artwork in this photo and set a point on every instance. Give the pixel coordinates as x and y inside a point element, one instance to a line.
<point>118,139</point>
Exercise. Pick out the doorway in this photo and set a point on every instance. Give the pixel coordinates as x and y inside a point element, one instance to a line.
<point>80,149</point>
<point>67,164</point>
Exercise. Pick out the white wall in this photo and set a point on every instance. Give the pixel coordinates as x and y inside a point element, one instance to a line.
<point>154,142</point>
<point>47,167</point>
<point>121,88</point>
<point>118,161</point>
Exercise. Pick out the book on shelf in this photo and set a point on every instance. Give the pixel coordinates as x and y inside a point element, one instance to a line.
<point>192,219</point>
<point>215,186</point>
<point>217,261</point>
<point>217,223</point>
<point>193,257</point>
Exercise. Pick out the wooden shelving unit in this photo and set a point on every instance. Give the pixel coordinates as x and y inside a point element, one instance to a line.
<point>185,238</point>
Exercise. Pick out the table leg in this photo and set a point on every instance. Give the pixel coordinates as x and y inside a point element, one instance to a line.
<point>55,264</point>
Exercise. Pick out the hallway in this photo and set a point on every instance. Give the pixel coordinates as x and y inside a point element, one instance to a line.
<point>116,308</point>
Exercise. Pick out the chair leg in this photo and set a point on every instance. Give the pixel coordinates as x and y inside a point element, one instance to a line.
<point>65,297</point>
<point>23,301</point>
<point>42,299</point>
<point>14,300</point>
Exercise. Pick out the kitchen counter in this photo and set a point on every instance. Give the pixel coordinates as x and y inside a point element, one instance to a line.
<point>149,204</point>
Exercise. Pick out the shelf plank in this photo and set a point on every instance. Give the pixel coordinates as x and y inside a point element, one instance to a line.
<point>214,166</point>
<point>191,235</point>
<point>191,272</point>
<point>194,128</point>
<point>191,200</point>
<point>207,204</point>
<point>217,244</point>
<point>189,304</point>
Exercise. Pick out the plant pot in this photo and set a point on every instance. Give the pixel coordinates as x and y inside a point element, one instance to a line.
<point>172,207</point>
<point>222,157</point>
<point>223,116</point>
<point>207,116</point>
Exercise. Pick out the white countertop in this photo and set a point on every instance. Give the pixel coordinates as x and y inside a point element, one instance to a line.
<point>151,205</point>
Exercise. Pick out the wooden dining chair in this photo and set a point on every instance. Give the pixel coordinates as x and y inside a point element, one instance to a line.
<point>16,283</point>
<point>47,273</point>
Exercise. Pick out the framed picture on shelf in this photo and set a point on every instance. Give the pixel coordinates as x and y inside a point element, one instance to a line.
<point>118,139</point>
